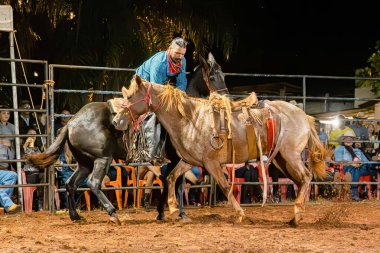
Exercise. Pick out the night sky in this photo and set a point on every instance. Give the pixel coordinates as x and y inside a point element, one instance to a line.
<point>304,37</point>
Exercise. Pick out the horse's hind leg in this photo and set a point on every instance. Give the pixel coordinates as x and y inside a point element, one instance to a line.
<point>71,188</point>
<point>95,182</point>
<point>301,176</point>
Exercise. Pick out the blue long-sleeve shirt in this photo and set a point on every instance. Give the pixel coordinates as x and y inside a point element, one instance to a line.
<point>341,154</point>
<point>156,70</point>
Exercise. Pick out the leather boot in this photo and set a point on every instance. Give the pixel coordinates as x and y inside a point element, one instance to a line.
<point>146,201</point>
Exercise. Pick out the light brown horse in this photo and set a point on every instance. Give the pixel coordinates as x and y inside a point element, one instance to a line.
<point>190,122</point>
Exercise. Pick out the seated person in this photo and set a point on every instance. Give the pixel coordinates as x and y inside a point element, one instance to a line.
<point>62,121</point>
<point>148,173</point>
<point>8,178</point>
<point>275,174</point>
<point>341,129</point>
<point>33,175</point>
<point>249,192</point>
<point>26,119</point>
<point>194,177</point>
<point>65,172</point>
<point>345,152</point>
<point>7,150</point>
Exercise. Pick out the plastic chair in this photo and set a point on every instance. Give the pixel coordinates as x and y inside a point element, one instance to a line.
<point>130,181</point>
<point>87,197</point>
<point>366,179</point>
<point>27,194</point>
<point>117,183</point>
<point>143,182</point>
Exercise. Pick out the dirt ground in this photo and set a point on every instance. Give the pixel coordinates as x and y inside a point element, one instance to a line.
<point>326,227</point>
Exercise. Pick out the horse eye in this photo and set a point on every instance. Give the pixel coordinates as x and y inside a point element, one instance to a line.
<point>212,78</point>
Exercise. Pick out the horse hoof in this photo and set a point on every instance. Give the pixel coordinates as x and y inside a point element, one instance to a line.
<point>174,215</point>
<point>77,218</point>
<point>115,220</point>
<point>185,219</point>
<point>160,217</point>
<point>239,219</point>
<point>293,223</point>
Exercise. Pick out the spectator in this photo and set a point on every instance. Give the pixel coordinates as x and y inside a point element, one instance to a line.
<point>26,119</point>
<point>33,175</point>
<point>8,178</point>
<point>341,129</point>
<point>7,143</point>
<point>275,174</point>
<point>345,152</point>
<point>371,148</point>
<point>321,133</point>
<point>41,141</point>
<point>194,177</point>
<point>249,192</point>
<point>62,121</point>
<point>65,172</point>
<point>360,130</point>
<point>146,173</point>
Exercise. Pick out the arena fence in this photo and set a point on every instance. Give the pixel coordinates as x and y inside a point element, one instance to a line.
<point>50,91</point>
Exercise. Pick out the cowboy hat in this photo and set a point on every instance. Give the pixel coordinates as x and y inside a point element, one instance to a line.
<point>360,115</point>
<point>349,133</point>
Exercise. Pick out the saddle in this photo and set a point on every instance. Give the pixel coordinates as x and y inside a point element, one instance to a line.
<point>249,101</point>
<point>244,111</point>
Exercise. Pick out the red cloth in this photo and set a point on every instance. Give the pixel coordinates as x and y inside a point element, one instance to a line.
<point>174,68</point>
<point>271,132</point>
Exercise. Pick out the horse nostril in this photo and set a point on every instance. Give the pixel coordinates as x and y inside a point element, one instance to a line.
<point>114,123</point>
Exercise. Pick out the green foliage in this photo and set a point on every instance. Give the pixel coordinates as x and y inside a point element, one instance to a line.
<point>115,33</point>
<point>372,70</point>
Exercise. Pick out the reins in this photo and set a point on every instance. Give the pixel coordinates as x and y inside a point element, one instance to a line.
<point>148,102</point>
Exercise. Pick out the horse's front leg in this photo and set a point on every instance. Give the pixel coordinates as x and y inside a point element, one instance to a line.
<point>179,169</point>
<point>214,169</point>
<point>95,183</point>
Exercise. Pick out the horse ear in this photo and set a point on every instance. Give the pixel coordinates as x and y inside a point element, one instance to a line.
<point>124,91</point>
<point>202,61</point>
<point>211,59</point>
<point>138,80</point>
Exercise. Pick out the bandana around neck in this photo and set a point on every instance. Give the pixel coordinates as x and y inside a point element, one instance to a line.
<point>174,68</point>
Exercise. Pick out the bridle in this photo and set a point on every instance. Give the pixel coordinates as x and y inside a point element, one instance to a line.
<point>206,79</point>
<point>147,99</point>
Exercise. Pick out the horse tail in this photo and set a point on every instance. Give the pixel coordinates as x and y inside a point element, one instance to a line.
<point>50,156</point>
<point>317,152</point>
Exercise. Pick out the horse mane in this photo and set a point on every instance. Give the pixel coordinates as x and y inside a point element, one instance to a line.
<point>173,98</point>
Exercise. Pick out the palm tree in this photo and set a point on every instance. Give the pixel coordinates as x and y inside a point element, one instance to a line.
<point>118,33</point>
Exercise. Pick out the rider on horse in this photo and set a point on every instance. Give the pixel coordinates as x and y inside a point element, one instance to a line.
<point>164,67</point>
<point>169,65</point>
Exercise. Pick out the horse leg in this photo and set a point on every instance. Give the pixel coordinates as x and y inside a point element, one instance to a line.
<point>71,188</point>
<point>180,189</point>
<point>301,176</point>
<point>179,169</point>
<point>214,169</point>
<point>163,198</point>
<point>95,183</point>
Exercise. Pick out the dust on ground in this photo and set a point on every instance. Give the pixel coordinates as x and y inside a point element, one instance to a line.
<point>326,227</point>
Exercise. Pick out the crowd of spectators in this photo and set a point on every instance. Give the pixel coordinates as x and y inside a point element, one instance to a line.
<point>30,123</point>
<point>349,143</point>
